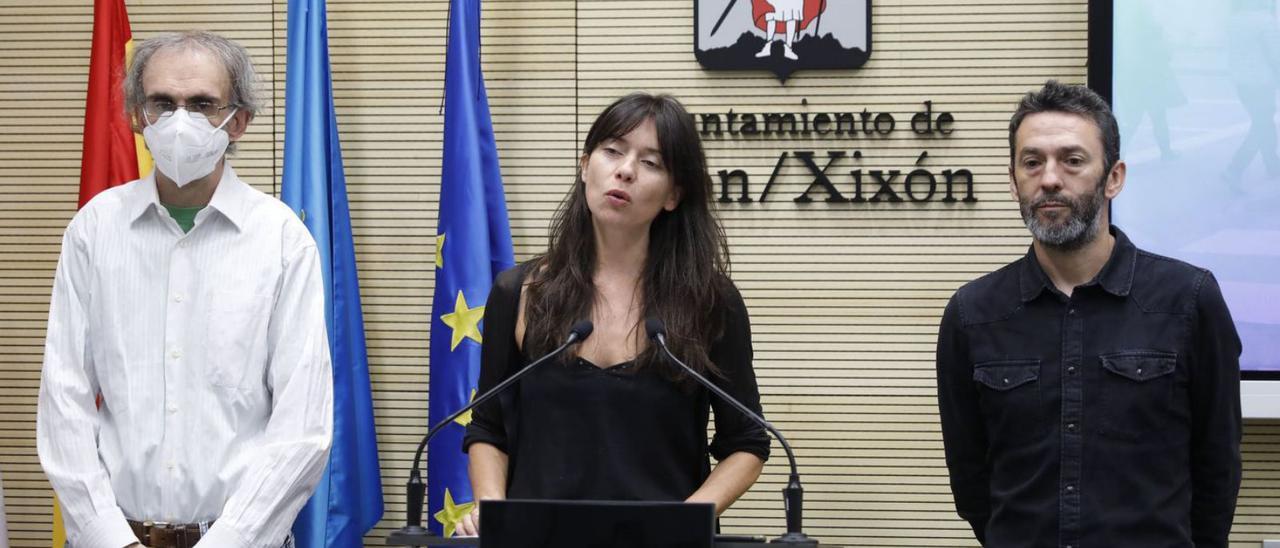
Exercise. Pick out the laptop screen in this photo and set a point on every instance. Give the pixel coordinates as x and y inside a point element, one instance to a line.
<point>591,524</point>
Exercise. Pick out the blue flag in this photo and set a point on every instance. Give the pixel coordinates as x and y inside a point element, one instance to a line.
<point>473,244</point>
<point>348,500</point>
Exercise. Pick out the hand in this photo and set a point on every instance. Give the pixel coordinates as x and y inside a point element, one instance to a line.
<point>470,525</point>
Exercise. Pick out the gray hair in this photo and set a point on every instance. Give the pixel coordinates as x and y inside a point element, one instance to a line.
<point>235,59</point>
<point>1071,99</point>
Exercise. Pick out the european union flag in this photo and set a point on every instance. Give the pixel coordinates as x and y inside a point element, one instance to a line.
<point>473,244</point>
<point>348,501</point>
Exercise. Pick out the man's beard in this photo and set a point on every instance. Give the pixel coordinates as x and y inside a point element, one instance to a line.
<point>1080,226</point>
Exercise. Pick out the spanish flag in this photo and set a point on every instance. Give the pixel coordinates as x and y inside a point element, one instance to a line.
<point>113,154</point>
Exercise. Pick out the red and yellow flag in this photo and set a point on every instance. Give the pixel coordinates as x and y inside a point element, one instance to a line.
<point>113,154</point>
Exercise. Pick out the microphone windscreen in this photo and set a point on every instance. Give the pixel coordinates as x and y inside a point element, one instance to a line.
<point>654,327</point>
<point>582,330</point>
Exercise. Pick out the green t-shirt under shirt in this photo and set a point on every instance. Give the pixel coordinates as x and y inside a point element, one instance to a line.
<point>186,216</point>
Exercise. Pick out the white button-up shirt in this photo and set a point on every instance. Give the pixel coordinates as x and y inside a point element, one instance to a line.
<point>210,354</point>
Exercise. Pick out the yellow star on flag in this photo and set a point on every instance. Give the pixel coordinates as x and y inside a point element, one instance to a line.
<point>440,251</point>
<point>465,322</point>
<point>451,516</point>
<point>465,418</point>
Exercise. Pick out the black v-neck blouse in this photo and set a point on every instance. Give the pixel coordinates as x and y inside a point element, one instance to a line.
<point>576,431</point>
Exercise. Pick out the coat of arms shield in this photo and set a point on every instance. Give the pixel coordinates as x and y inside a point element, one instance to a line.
<point>782,36</point>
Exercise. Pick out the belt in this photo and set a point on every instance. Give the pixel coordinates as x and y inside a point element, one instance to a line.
<point>158,534</point>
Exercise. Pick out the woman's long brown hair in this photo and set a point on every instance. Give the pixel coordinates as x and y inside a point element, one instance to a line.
<point>685,276</point>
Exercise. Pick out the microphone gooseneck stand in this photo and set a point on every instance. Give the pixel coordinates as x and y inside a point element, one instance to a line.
<point>413,533</point>
<point>793,493</point>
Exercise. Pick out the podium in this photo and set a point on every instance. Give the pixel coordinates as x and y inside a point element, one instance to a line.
<point>589,524</point>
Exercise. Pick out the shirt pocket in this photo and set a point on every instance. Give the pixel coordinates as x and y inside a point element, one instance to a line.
<point>236,337</point>
<point>1009,396</point>
<point>1137,393</point>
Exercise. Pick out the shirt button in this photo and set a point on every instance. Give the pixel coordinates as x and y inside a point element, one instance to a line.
<point>175,353</point>
<point>1071,370</point>
<point>1139,370</point>
<point>184,244</point>
<point>1071,427</point>
<point>178,298</point>
<point>1071,311</point>
<point>1006,380</point>
<point>1071,488</point>
<point>173,409</point>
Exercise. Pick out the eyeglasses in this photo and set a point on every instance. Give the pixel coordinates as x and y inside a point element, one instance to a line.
<point>162,108</point>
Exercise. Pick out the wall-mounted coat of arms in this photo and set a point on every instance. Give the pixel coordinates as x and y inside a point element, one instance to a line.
<point>782,36</point>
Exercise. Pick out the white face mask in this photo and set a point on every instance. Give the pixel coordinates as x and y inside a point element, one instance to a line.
<point>186,148</point>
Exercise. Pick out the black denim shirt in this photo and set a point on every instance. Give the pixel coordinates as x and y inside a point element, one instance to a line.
<point>1109,418</point>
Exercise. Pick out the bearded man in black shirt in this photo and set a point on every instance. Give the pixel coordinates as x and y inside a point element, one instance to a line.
<point>1089,391</point>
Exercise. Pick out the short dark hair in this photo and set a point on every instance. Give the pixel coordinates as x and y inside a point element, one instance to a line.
<point>1072,99</point>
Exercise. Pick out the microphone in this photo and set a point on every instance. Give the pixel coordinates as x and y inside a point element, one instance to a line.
<point>793,493</point>
<point>413,534</point>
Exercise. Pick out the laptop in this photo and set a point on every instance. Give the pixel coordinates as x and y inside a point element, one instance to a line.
<point>595,524</point>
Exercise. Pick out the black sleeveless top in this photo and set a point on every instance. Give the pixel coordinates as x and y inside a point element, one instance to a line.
<point>573,430</point>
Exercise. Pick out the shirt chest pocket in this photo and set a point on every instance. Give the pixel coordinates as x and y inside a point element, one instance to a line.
<point>236,337</point>
<point>1139,394</point>
<point>1009,396</point>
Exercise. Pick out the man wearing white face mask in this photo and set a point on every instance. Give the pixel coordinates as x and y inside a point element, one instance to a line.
<point>186,396</point>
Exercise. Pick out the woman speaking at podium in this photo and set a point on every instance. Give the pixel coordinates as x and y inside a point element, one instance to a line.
<point>612,420</point>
